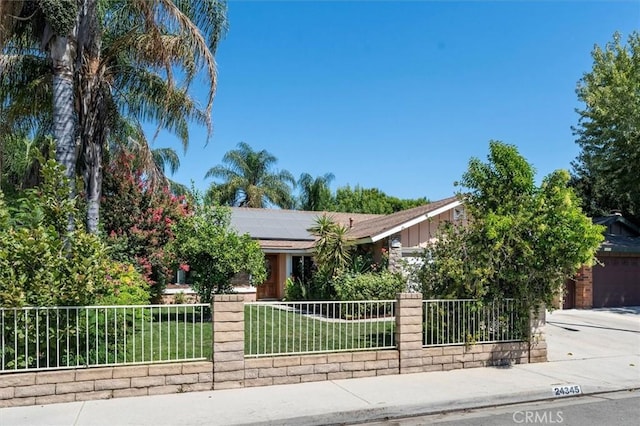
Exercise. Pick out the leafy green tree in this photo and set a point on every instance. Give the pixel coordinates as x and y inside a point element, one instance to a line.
<point>608,132</point>
<point>315,194</point>
<point>522,241</point>
<point>213,252</point>
<point>370,200</point>
<point>248,179</point>
<point>448,269</point>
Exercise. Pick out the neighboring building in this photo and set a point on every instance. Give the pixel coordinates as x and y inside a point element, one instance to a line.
<point>288,245</point>
<point>615,282</point>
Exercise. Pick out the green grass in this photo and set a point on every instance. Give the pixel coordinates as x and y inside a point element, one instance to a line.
<point>272,330</point>
<point>167,339</point>
<point>166,334</point>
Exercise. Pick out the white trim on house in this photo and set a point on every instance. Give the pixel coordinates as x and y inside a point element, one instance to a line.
<point>408,224</point>
<point>293,252</point>
<point>288,264</point>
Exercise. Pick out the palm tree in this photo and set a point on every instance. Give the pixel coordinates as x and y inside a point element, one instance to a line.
<point>29,25</point>
<point>249,180</point>
<point>145,42</point>
<point>315,194</point>
<point>332,252</point>
<point>128,52</point>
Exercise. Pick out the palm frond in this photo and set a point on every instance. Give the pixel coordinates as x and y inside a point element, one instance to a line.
<point>166,157</point>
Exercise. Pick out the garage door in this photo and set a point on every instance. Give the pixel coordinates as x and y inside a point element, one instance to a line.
<point>617,283</point>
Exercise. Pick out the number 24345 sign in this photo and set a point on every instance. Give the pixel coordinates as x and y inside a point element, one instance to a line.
<point>567,390</point>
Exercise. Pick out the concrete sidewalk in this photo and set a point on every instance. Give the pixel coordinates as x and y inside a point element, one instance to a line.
<point>610,362</point>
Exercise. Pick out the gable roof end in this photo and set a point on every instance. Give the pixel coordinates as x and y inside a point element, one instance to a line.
<point>376,229</point>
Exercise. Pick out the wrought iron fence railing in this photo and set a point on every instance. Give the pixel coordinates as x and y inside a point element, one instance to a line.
<point>286,328</point>
<point>47,338</point>
<point>468,321</point>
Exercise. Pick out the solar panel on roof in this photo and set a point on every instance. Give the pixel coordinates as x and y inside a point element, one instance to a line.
<point>273,224</point>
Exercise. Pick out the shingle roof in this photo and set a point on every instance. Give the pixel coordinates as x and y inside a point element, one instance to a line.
<point>379,225</point>
<point>613,219</point>
<point>620,244</point>
<point>288,229</point>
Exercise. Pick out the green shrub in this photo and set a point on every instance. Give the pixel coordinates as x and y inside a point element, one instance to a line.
<point>369,286</point>
<point>294,290</point>
<point>42,262</point>
<point>180,298</point>
<point>125,286</point>
<point>316,288</point>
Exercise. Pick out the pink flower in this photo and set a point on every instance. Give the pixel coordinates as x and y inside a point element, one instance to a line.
<point>184,267</point>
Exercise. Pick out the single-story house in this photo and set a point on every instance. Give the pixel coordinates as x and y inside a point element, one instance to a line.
<point>615,280</point>
<point>285,239</point>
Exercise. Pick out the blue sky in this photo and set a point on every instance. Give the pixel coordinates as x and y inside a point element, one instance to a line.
<point>400,95</point>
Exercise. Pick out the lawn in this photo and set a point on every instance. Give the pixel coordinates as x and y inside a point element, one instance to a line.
<point>177,334</point>
<point>276,329</point>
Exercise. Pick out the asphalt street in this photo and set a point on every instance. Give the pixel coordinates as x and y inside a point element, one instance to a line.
<point>612,409</point>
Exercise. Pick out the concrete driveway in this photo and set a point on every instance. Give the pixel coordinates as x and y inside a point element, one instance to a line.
<point>595,333</point>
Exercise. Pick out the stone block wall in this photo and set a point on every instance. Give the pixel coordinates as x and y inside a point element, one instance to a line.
<point>314,368</point>
<point>48,387</point>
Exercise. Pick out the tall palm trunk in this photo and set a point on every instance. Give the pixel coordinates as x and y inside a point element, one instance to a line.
<point>62,56</point>
<point>91,111</point>
<point>61,53</point>
<point>93,139</point>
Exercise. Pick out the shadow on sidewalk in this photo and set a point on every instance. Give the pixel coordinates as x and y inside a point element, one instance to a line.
<point>562,324</point>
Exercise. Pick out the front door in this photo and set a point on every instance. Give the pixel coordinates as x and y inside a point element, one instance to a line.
<point>269,289</point>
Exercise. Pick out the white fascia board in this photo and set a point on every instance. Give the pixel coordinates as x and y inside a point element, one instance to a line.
<point>302,252</point>
<point>415,221</point>
<point>365,240</point>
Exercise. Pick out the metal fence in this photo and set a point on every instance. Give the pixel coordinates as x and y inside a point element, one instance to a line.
<point>286,328</point>
<point>468,321</point>
<point>47,338</point>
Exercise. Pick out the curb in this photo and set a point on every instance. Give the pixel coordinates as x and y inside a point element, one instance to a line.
<point>388,413</point>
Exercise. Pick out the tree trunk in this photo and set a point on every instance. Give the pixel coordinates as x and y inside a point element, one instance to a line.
<point>61,54</point>
<point>93,183</point>
<point>92,112</point>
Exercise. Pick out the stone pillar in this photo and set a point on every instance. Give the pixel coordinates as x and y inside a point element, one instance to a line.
<point>584,288</point>
<point>537,340</point>
<point>409,332</point>
<point>228,341</point>
<point>395,253</point>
